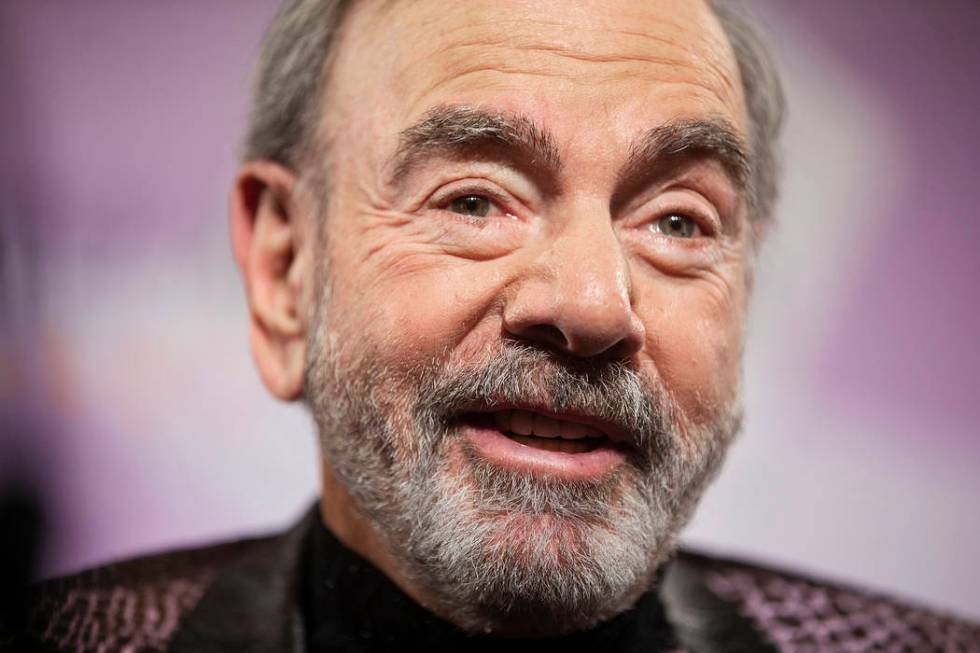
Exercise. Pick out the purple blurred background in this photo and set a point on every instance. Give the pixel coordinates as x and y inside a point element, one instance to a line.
<point>128,392</point>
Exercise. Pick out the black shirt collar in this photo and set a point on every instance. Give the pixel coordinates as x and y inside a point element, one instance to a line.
<point>302,589</point>
<point>351,606</point>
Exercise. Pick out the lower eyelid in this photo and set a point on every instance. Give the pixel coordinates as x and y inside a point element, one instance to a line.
<point>494,212</point>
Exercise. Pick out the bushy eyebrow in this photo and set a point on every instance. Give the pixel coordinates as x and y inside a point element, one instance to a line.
<point>459,131</point>
<point>663,147</point>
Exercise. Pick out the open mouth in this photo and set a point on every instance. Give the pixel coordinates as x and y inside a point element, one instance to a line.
<point>546,442</point>
<point>543,432</point>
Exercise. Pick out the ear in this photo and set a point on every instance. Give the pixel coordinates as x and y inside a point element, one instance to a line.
<point>268,233</point>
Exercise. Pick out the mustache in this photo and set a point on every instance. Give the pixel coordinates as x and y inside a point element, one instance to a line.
<point>609,390</point>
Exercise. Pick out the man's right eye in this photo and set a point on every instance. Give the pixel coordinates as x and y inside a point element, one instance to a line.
<point>476,206</point>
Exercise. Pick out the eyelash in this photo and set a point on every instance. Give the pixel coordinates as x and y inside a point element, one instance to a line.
<point>443,201</point>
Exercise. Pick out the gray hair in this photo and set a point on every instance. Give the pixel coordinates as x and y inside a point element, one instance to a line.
<point>764,101</point>
<point>299,46</point>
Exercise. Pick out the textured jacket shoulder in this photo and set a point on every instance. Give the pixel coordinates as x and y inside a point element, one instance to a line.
<point>242,596</point>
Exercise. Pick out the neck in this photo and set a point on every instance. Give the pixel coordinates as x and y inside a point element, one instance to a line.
<point>354,530</point>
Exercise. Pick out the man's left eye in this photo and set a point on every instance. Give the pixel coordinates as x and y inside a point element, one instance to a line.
<point>476,206</point>
<point>677,225</point>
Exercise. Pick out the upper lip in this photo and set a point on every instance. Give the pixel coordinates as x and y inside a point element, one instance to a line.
<point>610,430</point>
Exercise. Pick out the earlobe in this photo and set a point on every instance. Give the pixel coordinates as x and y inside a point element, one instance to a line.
<point>268,233</point>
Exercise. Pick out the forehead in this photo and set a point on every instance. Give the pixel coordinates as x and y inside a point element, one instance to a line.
<point>617,67</point>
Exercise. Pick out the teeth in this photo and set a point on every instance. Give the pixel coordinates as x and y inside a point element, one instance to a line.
<point>523,422</point>
<point>546,427</point>
<point>574,430</point>
<point>556,444</point>
<point>502,419</point>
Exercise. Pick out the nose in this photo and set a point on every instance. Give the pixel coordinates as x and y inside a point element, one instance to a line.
<point>577,296</point>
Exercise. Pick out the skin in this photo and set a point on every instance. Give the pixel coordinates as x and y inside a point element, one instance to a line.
<point>569,262</point>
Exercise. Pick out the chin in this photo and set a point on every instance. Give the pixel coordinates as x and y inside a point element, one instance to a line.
<point>525,588</point>
<point>517,555</point>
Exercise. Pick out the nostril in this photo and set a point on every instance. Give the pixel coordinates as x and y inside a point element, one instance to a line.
<point>547,333</point>
<point>621,350</point>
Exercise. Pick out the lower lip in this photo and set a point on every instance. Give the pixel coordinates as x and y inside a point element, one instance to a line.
<point>500,450</point>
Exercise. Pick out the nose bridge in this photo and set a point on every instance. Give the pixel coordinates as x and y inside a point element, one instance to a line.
<point>580,297</point>
<point>590,270</point>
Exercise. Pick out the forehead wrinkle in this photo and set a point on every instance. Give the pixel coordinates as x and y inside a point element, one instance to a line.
<point>677,65</point>
<point>661,75</point>
<point>700,35</point>
<point>702,50</point>
<point>709,76</point>
<point>518,41</point>
<point>718,50</point>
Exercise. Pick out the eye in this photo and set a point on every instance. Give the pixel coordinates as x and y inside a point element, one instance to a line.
<point>676,225</point>
<point>476,206</point>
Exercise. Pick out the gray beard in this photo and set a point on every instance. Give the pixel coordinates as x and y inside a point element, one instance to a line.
<point>493,549</point>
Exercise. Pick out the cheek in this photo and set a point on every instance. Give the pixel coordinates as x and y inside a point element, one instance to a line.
<point>694,337</point>
<point>411,304</point>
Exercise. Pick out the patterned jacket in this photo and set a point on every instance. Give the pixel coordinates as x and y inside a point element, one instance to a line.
<point>241,596</point>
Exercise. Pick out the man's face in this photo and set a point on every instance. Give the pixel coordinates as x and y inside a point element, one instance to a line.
<point>524,362</point>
